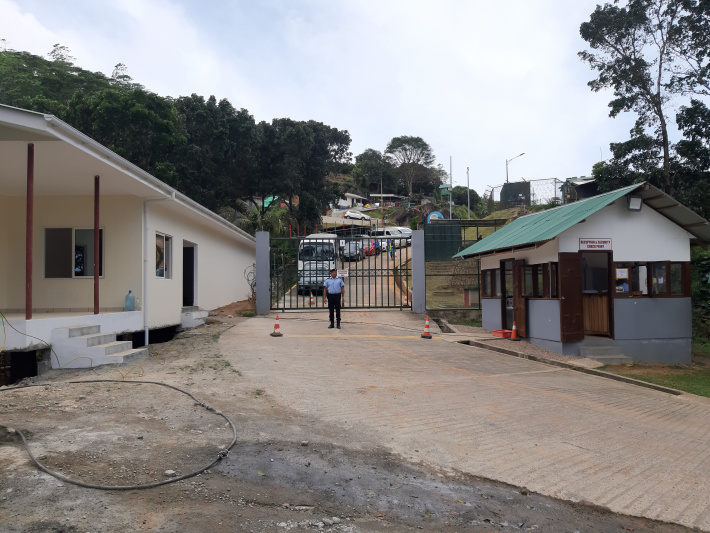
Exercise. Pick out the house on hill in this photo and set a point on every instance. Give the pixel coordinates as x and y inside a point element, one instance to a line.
<point>83,227</point>
<point>607,277</point>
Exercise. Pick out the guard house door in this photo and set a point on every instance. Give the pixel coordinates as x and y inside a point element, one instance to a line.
<point>596,293</point>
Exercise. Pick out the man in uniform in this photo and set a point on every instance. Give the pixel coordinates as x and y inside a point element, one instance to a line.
<point>334,291</point>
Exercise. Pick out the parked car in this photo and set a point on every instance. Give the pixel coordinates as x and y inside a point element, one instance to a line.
<point>312,279</point>
<point>353,250</point>
<point>385,234</point>
<point>406,232</point>
<point>356,215</point>
<point>371,246</point>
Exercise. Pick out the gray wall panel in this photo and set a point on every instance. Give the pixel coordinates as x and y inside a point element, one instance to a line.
<point>490,310</point>
<point>544,320</point>
<point>263,273</point>
<point>652,318</point>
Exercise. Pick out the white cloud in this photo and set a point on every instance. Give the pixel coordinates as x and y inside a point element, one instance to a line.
<point>479,81</point>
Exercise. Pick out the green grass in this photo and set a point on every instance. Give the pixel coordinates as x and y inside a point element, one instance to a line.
<point>693,378</point>
<point>247,314</point>
<point>472,323</point>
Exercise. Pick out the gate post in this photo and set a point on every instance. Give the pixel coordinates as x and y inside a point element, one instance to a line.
<point>418,273</point>
<point>263,273</point>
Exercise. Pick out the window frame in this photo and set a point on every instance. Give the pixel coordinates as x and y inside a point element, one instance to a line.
<point>167,258</point>
<point>71,253</point>
<point>489,282</point>
<point>666,270</point>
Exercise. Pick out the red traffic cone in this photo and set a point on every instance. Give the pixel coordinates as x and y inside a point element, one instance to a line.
<point>514,333</point>
<point>276,332</point>
<point>426,334</point>
<point>312,301</point>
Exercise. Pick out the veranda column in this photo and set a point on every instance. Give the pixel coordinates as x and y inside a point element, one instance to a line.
<point>29,229</point>
<point>97,243</point>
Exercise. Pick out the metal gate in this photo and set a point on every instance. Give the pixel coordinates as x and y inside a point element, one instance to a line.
<point>376,270</point>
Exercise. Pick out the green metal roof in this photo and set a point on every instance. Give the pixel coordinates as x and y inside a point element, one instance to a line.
<point>545,225</point>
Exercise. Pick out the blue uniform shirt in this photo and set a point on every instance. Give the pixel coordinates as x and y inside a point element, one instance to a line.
<point>333,285</point>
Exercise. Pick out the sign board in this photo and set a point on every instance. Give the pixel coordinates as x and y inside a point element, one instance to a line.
<point>342,243</point>
<point>595,244</point>
<point>342,273</point>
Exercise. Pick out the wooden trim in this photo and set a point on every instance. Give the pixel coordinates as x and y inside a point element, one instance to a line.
<point>696,224</point>
<point>685,269</point>
<point>546,280</point>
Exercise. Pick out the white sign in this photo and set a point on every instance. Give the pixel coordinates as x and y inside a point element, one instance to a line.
<point>595,244</point>
<point>342,243</point>
<point>343,273</point>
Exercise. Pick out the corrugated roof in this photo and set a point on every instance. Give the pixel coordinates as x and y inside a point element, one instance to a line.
<point>546,225</point>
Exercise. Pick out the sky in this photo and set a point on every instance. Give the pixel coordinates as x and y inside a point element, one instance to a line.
<point>481,82</point>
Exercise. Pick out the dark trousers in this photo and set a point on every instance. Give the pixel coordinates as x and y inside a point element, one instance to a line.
<point>334,305</point>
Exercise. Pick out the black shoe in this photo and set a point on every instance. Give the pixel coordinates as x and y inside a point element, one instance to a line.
<point>331,326</point>
<point>338,326</point>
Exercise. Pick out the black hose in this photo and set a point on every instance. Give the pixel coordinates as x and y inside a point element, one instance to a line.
<point>220,455</point>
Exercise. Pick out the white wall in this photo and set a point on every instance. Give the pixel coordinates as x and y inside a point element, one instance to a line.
<point>5,236</point>
<point>645,235</point>
<point>221,260</point>
<point>534,256</point>
<point>120,218</point>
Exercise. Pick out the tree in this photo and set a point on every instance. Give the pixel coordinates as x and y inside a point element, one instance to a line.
<point>409,153</point>
<point>372,170</point>
<point>647,52</point>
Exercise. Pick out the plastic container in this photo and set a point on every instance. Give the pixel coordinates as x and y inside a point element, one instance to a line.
<point>130,302</point>
<point>502,333</point>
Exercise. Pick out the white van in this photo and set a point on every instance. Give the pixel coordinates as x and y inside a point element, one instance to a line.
<point>384,234</point>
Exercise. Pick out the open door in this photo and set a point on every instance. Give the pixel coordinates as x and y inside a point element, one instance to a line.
<point>188,274</point>
<point>571,310</point>
<point>520,307</point>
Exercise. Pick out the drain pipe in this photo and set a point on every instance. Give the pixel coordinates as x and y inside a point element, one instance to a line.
<point>146,261</point>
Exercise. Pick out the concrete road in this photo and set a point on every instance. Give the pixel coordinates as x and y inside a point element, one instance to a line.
<point>464,409</point>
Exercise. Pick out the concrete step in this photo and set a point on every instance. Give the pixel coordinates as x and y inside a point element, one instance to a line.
<point>608,355</point>
<point>96,339</point>
<point>110,348</point>
<point>82,331</point>
<point>127,356</point>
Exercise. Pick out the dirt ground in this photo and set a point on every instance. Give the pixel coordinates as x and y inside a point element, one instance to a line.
<point>285,473</point>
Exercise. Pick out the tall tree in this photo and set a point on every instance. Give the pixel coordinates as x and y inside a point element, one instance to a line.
<point>409,153</point>
<point>373,170</point>
<point>643,54</point>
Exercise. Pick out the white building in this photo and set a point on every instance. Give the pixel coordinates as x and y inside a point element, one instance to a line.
<point>56,187</point>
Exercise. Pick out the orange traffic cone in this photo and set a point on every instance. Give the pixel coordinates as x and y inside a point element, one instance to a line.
<point>312,301</point>
<point>276,332</point>
<point>514,333</point>
<point>404,299</point>
<point>426,334</point>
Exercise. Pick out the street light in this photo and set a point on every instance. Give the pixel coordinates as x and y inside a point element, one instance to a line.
<point>506,165</point>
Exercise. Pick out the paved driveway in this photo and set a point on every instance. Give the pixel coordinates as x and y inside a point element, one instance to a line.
<point>464,409</point>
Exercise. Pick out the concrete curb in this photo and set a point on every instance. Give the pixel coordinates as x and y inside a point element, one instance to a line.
<point>562,364</point>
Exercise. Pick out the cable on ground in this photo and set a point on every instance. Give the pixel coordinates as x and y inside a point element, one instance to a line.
<point>220,455</point>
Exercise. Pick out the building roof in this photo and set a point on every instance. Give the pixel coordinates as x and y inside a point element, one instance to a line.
<point>541,227</point>
<point>66,162</point>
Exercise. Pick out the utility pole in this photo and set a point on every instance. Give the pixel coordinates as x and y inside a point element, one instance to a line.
<point>468,193</point>
<point>451,184</point>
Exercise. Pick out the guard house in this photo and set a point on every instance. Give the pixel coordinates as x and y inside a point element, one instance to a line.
<point>607,277</point>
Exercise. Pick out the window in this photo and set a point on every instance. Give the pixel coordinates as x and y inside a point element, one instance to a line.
<point>163,256</point>
<point>659,280</point>
<point>491,287</point>
<point>60,262</point>
<point>535,281</point>
<point>553,280</point>
<point>676,279</point>
<point>528,285</point>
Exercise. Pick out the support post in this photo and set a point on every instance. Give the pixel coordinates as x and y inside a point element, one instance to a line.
<point>263,274</point>
<point>97,245</point>
<point>29,229</point>
<point>418,273</point>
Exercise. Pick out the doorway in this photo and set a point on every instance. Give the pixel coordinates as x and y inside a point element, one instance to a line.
<point>189,271</point>
<point>595,293</point>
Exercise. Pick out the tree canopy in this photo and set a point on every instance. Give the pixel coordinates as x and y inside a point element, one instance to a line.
<point>412,157</point>
<point>653,54</point>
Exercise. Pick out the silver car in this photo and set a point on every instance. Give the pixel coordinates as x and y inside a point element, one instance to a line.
<point>356,215</point>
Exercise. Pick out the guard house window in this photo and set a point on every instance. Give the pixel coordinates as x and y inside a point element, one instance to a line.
<point>659,279</point>
<point>163,256</point>
<point>491,287</point>
<point>69,253</point>
<point>676,279</point>
<point>553,280</point>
